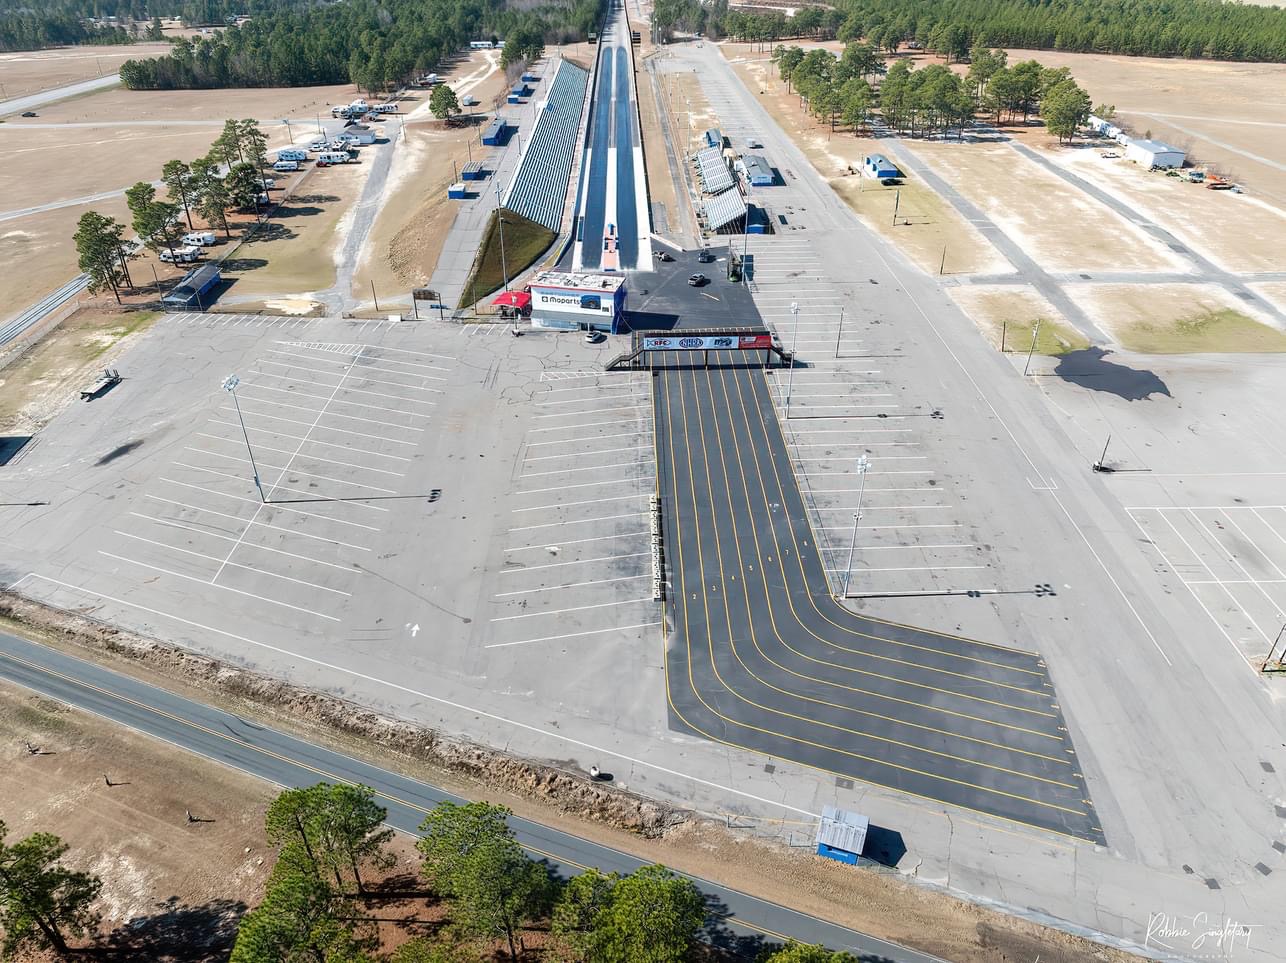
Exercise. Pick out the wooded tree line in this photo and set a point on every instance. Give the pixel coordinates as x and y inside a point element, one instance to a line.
<point>376,44</point>
<point>933,99</point>
<point>1157,28</point>
<point>230,177</point>
<point>319,903</point>
<point>32,30</point>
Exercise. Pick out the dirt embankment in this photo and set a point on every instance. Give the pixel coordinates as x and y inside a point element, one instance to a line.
<point>572,794</point>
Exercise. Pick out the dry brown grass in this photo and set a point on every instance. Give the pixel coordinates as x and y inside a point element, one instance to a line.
<point>1007,315</point>
<point>1176,319</point>
<point>31,71</point>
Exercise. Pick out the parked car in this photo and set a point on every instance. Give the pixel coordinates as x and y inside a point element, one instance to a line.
<point>594,336</point>
<point>29,113</point>
<point>200,238</point>
<point>697,280</point>
<point>706,256</point>
<point>662,255</point>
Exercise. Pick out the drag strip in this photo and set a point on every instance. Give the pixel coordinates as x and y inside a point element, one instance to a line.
<point>763,658</point>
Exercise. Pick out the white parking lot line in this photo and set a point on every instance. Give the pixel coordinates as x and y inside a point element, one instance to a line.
<point>368,367</point>
<point>260,446</point>
<point>569,585</point>
<point>641,432</point>
<point>274,507</point>
<point>260,523</point>
<point>597,484</point>
<point>581,454</point>
<point>384,395</point>
<point>581,401</point>
<point>225,588</point>
<point>575,541</point>
<point>341,431</point>
<point>572,635</point>
<point>338,401</point>
<point>577,521</point>
<point>214,558</point>
<point>293,471</point>
<point>591,411</point>
<point>574,561</point>
<point>359,377</point>
<point>575,608</point>
<point>351,569</point>
<point>285,488</point>
<point>587,501</point>
<point>304,439</point>
<point>335,414</point>
<point>563,471</point>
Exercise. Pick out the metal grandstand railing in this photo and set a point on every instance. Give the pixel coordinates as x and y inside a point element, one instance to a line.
<point>539,187</point>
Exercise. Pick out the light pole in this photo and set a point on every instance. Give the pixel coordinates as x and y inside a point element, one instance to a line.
<point>230,386</point>
<point>863,466</point>
<point>794,349</point>
<point>1035,334</point>
<point>839,331</point>
<point>500,224</point>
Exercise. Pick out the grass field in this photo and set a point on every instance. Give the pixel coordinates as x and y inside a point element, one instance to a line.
<point>1007,315</point>
<point>524,242</point>
<point>1176,319</point>
<point>934,225</point>
<point>31,71</point>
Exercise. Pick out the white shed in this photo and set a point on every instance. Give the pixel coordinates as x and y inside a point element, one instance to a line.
<point>1153,153</point>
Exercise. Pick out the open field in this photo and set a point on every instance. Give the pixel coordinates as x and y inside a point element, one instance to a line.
<point>161,874</point>
<point>1230,115</point>
<point>1176,319</point>
<point>934,224</point>
<point>1274,292</point>
<point>1006,315</point>
<point>31,71</point>
<point>415,215</point>
<point>1058,225</point>
<point>1238,232</point>
<point>295,252</point>
<point>661,186</point>
<point>46,378</point>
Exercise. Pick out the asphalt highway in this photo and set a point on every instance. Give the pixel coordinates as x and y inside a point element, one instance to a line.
<point>762,657</point>
<point>736,919</point>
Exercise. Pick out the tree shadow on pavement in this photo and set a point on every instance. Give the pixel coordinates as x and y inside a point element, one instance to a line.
<point>731,945</point>
<point>177,933</point>
<point>239,265</point>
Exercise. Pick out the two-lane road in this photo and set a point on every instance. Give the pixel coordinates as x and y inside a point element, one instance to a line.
<point>288,761</point>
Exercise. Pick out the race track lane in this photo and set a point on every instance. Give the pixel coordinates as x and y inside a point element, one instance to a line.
<point>596,191</point>
<point>763,658</point>
<point>627,225</point>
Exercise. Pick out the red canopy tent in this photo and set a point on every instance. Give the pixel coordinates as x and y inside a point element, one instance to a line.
<point>518,300</point>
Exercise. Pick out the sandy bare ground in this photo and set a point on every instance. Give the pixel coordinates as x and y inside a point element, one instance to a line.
<point>1231,115</point>
<point>161,874</point>
<point>415,216</point>
<point>1059,226</point>
<point>934,225</point>
<point>1006,315</point>
<point>1274,292</point>
<point>1176,318</point>
<point>294,252</point>
<point>31,71</point>
<point>1239,232</point>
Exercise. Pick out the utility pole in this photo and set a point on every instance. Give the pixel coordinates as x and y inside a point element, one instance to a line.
<point>839,332</point>
<point>1101,464</point>
<point>863,466</point>
<point>1035,334</point>
<point>942,265</point>
<point>897,201</point>
<point>230,386</point>
<point>374,297</point>
<point>500,224</point>
<point>794,350</point>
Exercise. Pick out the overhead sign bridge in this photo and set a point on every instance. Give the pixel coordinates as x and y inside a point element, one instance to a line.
<point>738,347</point>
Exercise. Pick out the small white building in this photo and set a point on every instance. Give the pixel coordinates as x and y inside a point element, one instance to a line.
<point>569,301</point>
<point>1153,153</point>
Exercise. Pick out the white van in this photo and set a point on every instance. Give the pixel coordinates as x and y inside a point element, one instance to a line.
<point>286,166</point>
<point>292,154</point>
<point>327,158</point>
<point>181,255</point>
<point>320,144</point>
<point>200,238</point>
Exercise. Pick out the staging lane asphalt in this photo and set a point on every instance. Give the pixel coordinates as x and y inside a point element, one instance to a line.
<point>737,919</point>
<point>596,194</point>
<point>627,225</point>
<point>761,657</point>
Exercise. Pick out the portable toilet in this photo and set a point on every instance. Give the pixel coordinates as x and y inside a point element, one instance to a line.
<point>457,192</point>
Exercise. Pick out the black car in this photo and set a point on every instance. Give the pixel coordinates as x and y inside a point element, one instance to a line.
<point>662,255</point>
<point>706,256</point>
<point>697,280</point>
<point>28,113</point>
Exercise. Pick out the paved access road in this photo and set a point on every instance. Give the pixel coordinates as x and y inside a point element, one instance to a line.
<point>32,101</point>
<point>288,761</point>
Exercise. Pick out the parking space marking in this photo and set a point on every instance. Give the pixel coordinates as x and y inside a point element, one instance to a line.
<point>588,424</point>
<point>274,507</point>
<point>571,585</point>
<point>351,569</point>
<point>577,441</point>
<point>575,608</point>
<point>582,454</point>
<point>587,501</point>
<point>574,561</point>
<point>577,521</point>
<point>341,431</point>
<point>261,524</point>
<point>370,367</point>
<point>592,411</point>
<point>282,451</point>
<point>336,414</point>
<point>338,401</point>
<point>359,391</point>
<point>215,558</point>
<point>305,440</point>
<point>577,401</point>
<point>576,541</point>
<point>226,588</point>
<point>359,377</point>
<point>573,635</point>
<point>597,484</point>
<point>294,471</point>
<point>565,471</point>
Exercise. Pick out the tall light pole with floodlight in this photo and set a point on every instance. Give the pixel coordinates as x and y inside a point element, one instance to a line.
<point>794,349</point>
<point>500,224</point>
<point>230,386</point>
<point>863,466</point>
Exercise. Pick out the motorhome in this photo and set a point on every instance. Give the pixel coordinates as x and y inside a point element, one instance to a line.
<point>331,157</point>
<point>292,154</point>
<point>200,238</point>
<point>286,166</point>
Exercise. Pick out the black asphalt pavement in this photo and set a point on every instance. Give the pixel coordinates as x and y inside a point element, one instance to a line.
<point>737,920</point>
<point>761,656</point>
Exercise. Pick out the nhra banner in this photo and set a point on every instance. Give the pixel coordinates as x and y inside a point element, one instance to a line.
<point>720,342</point>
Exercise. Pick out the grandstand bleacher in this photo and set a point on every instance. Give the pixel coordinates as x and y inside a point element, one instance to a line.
<point>539,187</point>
